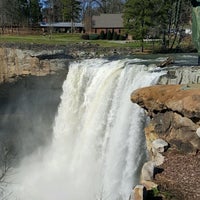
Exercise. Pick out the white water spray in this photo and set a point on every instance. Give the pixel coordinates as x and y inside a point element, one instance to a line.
<point>98,144</point>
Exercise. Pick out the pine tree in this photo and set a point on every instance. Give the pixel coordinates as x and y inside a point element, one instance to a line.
<point>35,14</point>
<point>138,18</point>
<point>71,11</point>
<point>149,17</point>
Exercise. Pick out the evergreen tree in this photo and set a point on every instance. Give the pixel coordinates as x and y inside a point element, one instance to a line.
<point>139,16</point>
<point>109,6</point>
<point>35,15</point>
<point>144,18</point>
<point>71,11</point>
<point>109,35</point>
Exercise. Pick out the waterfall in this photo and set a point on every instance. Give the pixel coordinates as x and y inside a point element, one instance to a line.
<point>99,145</point>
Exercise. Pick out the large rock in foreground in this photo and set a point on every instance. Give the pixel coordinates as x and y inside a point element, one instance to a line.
<point>174,112</point>
<point>183,99</point>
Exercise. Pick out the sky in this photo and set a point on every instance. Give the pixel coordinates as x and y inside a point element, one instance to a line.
<point>43,3</point>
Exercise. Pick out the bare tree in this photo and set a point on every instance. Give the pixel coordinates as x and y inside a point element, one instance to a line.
<point>96,7</point>
<point>110,6</point>
<point>7,159</point>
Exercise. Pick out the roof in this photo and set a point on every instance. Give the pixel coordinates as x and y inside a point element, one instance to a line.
<point>60,24</point>
<point>107,21</point>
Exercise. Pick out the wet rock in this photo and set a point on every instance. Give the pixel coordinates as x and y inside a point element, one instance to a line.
<point>158,159</point>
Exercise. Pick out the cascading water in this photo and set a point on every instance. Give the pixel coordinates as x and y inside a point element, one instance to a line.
<point>98,146</point>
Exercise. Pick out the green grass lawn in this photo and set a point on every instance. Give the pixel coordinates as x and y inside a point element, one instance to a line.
<point>64,39</point>
<point>40,39</point>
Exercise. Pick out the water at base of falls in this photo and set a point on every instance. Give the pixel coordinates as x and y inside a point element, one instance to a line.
<point>99,145</point>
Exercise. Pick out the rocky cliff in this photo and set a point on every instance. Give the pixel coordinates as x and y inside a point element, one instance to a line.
<point>17,62</point>
<point>40,60</point>
<point>174,112</point>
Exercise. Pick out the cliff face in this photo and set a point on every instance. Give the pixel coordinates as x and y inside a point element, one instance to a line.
<point>30,89</point>
<point>174,112</point>
<point>17,62</point>
<point>41,60</point>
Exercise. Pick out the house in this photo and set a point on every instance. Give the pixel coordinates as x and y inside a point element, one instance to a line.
<point>106,22</point>
<point>63,26</point>
<point>103,22</point>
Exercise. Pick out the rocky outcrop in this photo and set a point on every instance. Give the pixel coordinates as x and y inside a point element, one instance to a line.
<point>24,59</point>
<point>17,62</point>
<point>174,112</point>
<point>40,60</point>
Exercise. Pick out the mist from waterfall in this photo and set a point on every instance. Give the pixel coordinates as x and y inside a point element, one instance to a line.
<point>99,145</point>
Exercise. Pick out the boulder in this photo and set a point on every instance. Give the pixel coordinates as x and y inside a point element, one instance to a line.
<point>158,159</point>
<point>148,171</point>
<point>183,99</point>
<point>159,145</point>
<point>138,193</point>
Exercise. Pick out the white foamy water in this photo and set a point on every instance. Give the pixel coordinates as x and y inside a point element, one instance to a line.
<point>98,146</point>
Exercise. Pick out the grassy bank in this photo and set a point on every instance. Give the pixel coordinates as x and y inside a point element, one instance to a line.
<point>64,39</point>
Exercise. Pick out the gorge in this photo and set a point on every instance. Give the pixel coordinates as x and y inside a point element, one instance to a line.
<point>97,139</point>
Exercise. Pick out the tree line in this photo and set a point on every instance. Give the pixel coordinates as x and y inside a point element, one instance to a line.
<point>142,18</point>
<point>19,13</point>
<point>156,18</point>
<point>30,12</point>
<point>149,12</point>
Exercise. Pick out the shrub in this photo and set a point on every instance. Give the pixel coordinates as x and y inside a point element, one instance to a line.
<point>85,37</point>
<point>115,36</point>
<point>109,35</point>
<point>102,35</point>
<point>93,36</point>
<point>122,37</point>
